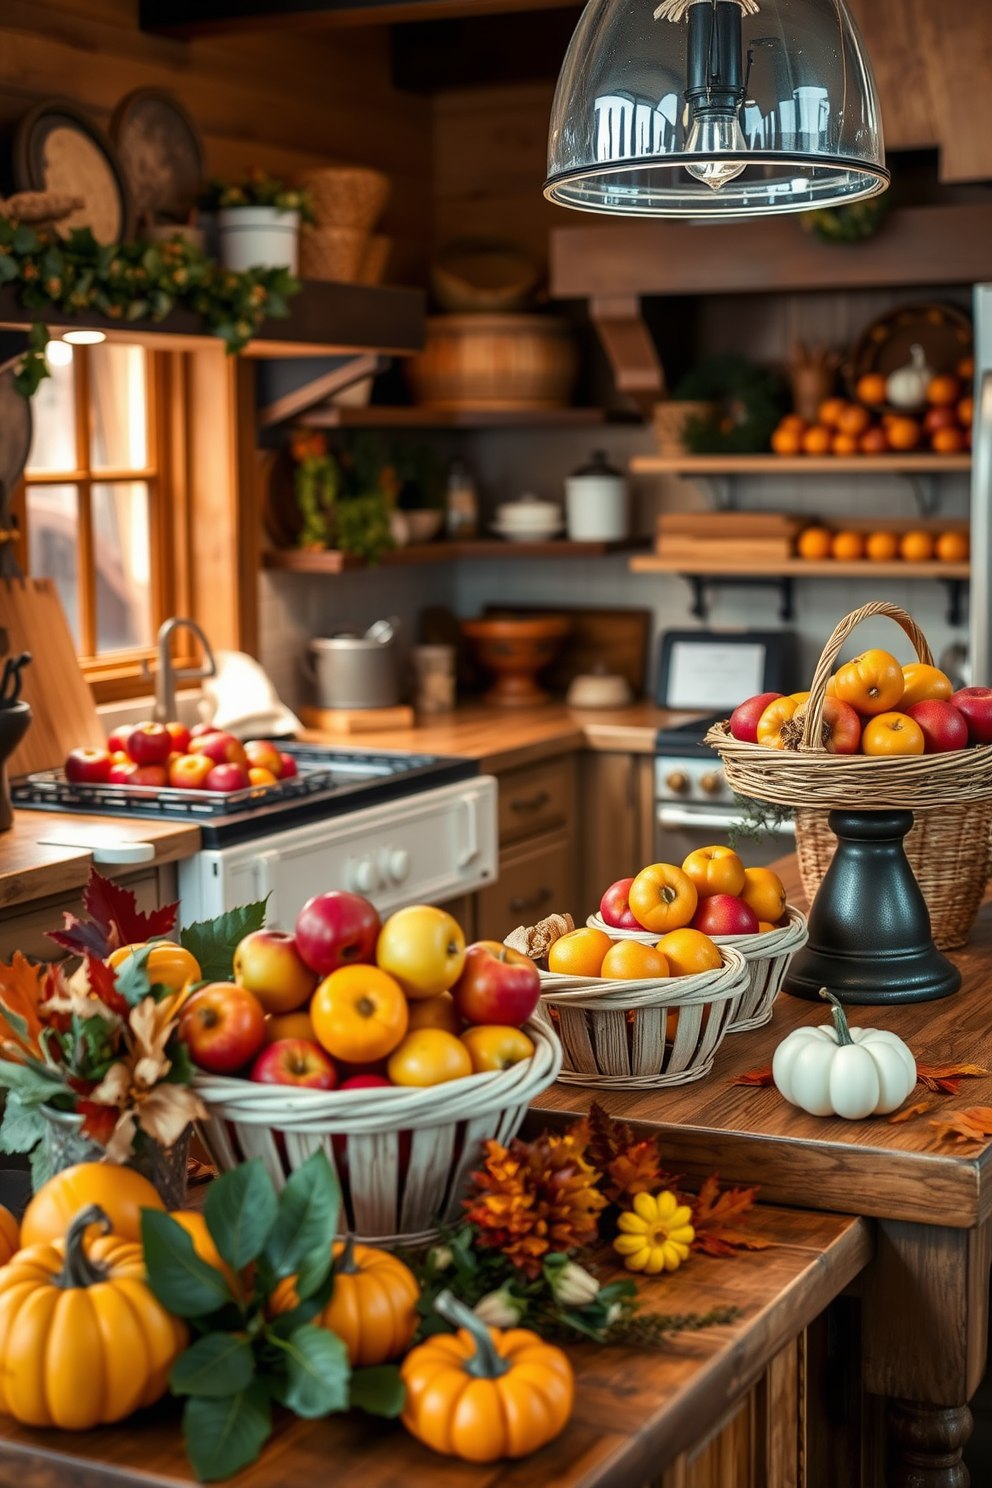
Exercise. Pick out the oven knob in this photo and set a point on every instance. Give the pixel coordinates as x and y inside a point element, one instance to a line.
<point>365,876</point>
<point>712,783</point>
<point>399,864</point>
<point>678,782</point>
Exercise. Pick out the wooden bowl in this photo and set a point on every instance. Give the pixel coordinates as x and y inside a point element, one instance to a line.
<point>516,650</point>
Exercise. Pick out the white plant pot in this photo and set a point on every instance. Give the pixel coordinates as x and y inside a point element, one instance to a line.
<point>258,238</point>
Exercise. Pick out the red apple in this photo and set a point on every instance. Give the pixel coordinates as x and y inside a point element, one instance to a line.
<point>268,964</point>
<point>122,773</point>
<point>88,766</point>
<point>842,725</point>
<point>223,749</point>
<point>295,1062</point>
<point>190,771</point>
<point>365,1082</point>
<point>264,756</point>
<point>149,744</point>
<point>152,775</point>
<point>944,728</point>
<point>180,736</point>
<point>975,705</point>
<point>497,985</point>
<point>117,740</point>
<point>614,907</point>
<point>337,929</point>
<point>744,719</point>
<point>199,730</point>
<point>223,1027</point>
<point>725,914</point>
<point>287,766</point>
<point>227,778</point>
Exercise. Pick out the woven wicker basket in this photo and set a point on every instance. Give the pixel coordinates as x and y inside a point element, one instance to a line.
<point>347,195</point>
<point>335,253</point>
<point>767,956</point>
<point>670,420</point>
<point>403,1156</point>
<point>945,851</point>
<point>616,1035</point>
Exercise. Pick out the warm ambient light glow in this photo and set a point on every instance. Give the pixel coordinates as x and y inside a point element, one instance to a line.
<point>57,354</point>
<point>84,338</point>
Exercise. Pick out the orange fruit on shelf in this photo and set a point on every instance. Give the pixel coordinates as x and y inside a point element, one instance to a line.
<point>628,961</point>
<point>874,442</point>
<point>770,723</point>
<point>923,682</point>
<point>845,444</point>
<point>872,389</point>
<point>966,368</point>
<point>689,951</point>
<point>902,433</point>
<point>787,441</point>
<point>662,898</point>
<point>966,411</point>
<point>872,683</point>
<point>830,411</point>
<point>882,547</point>
<point>764,892</point>
<point>793,421</point>
<point>916,546</point>
<point>847,546</point>
<point>952,547</point>
<point>854,419</point>
<point>892,733</point>
<point>579,953</point>
<point>714,870</point>
<point>943,389</point>
<point>814,543</point>
<point>949,441</point>
<point>817,440</point>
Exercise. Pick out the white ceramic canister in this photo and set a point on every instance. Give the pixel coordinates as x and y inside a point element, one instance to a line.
<point>258,238</point>
<point>597,502</point>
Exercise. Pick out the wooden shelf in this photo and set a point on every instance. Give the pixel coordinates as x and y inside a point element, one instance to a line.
<point>296,560</point>
<point>378,417</point>
<point>909,464</point>
<point>802,568</point>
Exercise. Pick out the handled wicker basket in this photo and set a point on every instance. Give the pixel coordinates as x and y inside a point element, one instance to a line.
<point>622,1035</point>
<point>402,1155</point>
<point>949,794</point>
<point>767,956</point>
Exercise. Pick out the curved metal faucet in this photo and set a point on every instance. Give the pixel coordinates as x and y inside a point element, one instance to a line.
<point>167,676</point>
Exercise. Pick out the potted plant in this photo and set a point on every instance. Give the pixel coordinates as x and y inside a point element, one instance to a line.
<point>258,221</point>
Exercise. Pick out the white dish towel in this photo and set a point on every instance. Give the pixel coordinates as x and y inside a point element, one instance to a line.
<point>242,701</point>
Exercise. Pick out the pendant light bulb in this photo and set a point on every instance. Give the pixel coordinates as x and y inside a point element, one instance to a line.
<point>721,139</point>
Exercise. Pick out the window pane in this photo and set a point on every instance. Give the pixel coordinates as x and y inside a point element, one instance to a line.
<point>118,415</point>
<point>53,542</point>
<point>123,565</point>
<point>53,409</point>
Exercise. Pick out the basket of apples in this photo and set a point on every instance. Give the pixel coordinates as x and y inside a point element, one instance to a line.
<point>393,1047</point>
<point>644,1012</point>
<point>873,736</point>
<point>745,908</point>
<point>150,758</point>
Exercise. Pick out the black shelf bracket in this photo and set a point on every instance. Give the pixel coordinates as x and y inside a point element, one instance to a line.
<point>956,591</point>
<point>782,582</point>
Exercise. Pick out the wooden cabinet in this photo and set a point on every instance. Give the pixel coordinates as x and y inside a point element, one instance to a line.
<point>538,840</point>
<point>23,927</point>
<point>616,831</point>
<point>535,799</point>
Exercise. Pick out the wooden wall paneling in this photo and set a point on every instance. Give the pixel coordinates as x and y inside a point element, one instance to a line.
<point>956,40</point>
<point>212,410</point>
<point>903,70</point>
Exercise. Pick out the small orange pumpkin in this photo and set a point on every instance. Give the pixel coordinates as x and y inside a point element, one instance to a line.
<point>10,1236</point>
<point>373,1306</point>
<point>120,1192</point>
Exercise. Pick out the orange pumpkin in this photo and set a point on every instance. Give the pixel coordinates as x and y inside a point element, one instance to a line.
<point>10,1236</point>
<point>120,1192</point>
<point>373,1305</point>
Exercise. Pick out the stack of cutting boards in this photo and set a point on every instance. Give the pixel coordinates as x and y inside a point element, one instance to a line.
<point>63,711</point>
<point>723,538</point>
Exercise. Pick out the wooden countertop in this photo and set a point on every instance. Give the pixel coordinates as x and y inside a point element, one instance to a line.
<point>635,1409</point>
<point>871,1167</point>
<point>502,738</point>
<point>31,871</point>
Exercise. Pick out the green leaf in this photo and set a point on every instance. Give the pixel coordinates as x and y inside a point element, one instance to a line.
<point>182,1282</point>
<point>214,1366</point>
<point>181,1067</point>
<point>132,980</point>
<point>23,1127</point>
<point>308,1216</point>
<point>214,942</point>
<point>41,1167</point>
<point>34,1083</point>
<point>223,1436</point>
<point>378,1391</point>
<point>313,1271</point>
<point>241,1210</point>
<point>316,1372</point>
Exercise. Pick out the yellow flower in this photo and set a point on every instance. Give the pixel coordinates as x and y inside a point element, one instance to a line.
<point>656,1234</point>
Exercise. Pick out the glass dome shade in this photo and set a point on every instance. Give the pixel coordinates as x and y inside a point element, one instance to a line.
<point>714,108</point>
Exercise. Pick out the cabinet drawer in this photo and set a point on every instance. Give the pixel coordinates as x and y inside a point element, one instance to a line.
<point>535,799</point>
<point>534,881</point>
<point>23,927</point>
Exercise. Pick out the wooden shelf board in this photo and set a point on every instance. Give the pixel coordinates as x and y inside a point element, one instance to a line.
<point>910,464</point>
<point>378,417</point>
<point>332,562</point>
<point>802,568</point>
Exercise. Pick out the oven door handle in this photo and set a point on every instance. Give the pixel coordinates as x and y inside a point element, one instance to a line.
<point>684,816</point>
<point>266,877</point>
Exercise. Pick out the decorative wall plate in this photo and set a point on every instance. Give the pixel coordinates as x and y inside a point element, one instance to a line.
<point>161,151</point>
<point>943,331</point>
<point>57,147</point>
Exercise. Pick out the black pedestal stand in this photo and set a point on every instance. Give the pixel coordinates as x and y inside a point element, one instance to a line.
<point>869,926</point>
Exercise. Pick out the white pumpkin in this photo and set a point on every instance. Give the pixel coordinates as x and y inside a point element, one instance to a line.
<point>842,1071</point>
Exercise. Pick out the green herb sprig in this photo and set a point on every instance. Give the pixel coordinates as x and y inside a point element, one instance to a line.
<point>258,189</point>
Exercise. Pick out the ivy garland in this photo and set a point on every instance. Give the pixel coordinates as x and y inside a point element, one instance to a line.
<point>131,281</point>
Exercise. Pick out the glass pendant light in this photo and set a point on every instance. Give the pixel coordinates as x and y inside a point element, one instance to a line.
<point>714,108</point>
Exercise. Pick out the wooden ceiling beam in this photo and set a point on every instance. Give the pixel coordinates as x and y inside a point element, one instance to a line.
<point>185,19</point>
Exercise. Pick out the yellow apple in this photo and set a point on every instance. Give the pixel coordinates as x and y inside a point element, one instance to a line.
<point>423,948</point>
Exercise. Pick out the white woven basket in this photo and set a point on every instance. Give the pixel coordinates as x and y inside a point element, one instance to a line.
<point>767,956</point>
<point>615,1034</point>
<point>409,1151</point>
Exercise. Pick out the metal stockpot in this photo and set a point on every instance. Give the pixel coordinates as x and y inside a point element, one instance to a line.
<point>356,671</point>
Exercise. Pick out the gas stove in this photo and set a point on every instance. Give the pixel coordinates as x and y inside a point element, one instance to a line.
<point>688,770</point>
